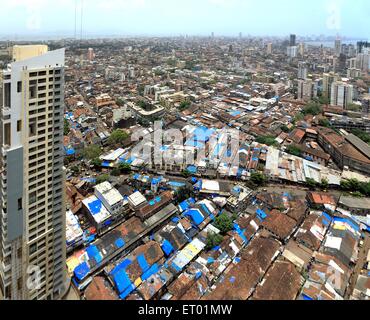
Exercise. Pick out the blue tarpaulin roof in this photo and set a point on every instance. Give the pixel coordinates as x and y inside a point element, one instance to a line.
<point>95,206</point>
<point>167,247</point>
<point>143,263</point>
<point>195,215</point>
<point>261,214</point>
<point>120,242</point>
<point>152,270</point>
<point>121,280</point>
<point>192,169</point>
<point>81,271</point>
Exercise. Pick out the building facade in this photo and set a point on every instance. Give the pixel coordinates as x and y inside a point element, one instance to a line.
<point>32,188</point>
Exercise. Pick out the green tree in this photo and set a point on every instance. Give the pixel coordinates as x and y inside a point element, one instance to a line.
<point>75,169</point>
<point>183,194</point>
<point>96,162</point>
<point>267,140</point>
<point>120,102</point>
<point>115,172</point>
<point>67,127</point>
<point>259,179</point>
<point>92,152</point>
<point>213,240</point>
<point>312,108</point>
<point>324,184</point>
<point>294,150</point>
<point>102,178</point>
<point>124,168</point>
<point>364,136</point>
<point>324,123</point>
<point>285,128</point>
<point>311,183</point>
<point>184,105</point>
<point>354,107</point>
<point>117,137</point>
<point>223,223</point>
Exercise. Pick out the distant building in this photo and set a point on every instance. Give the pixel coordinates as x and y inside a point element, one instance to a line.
<point>292,40</point>
<point>338,47</point>
<point>302,71</point>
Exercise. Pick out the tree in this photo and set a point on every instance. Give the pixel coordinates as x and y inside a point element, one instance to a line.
<point>75,169</point>
<point>312,108</point>
<point>96,162</point>
<point>223,223</point>
<point>184,105</point>
<point>115,172</point>
<point>102,178</point>
<point>213,240</point>
<point>67,127</point>
<point>364,136</point>
<point>92,152</point>
<point>311,184</point>
<point>120,102</point>
<point>267,140</point>
<point>259,179</point>
<point>354,107</point>
<point>324,123</point>
<point>285,128</point>
<point>124,168</point>
<point>183,194</point>
<point>294,150</point>
<point>117,137</point>
<point>324,184</point>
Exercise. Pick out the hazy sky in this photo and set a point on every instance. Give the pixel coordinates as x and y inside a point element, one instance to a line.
<point>193,17</point>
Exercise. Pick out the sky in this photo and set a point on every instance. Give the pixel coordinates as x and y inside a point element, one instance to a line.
<point>348,18</point>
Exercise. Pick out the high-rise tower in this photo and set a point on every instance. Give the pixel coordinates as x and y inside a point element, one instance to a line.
<point>32,205</point>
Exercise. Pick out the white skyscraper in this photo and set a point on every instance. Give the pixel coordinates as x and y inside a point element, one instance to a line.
<point>32,205</point>
<point>341,94</point>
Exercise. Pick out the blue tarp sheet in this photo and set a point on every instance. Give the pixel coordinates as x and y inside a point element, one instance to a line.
<point>121,280</point>
<point>69,151</point>
<point>95,206</point>
<point>192,169</point>
<point>261,214</point>
<point>167,247</point>
<point>81,271</point>
<point>205,208</point>
<point>120,243</point>
<point>121,266</point>
<point>127,291</point>
<point>105,164</point>
<point>152,270</point>
<point>195,215</point>
<point>143,263</point>
<point>92,251</point>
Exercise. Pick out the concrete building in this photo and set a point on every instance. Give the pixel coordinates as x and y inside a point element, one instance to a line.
<point>302,71</point>
<point>341,94</point>
<point>327,81</point>
<point>307,90</point>
<point>32,191</point>
<point>338,47</point>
